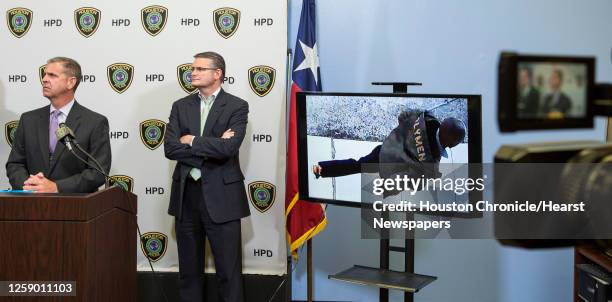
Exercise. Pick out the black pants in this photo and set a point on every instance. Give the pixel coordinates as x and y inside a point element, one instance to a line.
<point>225,243</point>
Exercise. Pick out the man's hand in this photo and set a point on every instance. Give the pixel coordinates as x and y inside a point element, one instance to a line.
<point>316,169</point>
<point>40,184</point>
<point>186,139</point>
<point>228,134</point>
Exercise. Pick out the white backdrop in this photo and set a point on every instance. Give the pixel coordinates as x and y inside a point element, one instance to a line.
<point>259,38</point>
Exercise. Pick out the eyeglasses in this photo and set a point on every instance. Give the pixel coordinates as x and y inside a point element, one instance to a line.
<point>201,69</point>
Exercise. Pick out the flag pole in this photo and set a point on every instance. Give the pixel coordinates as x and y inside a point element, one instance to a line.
<point>610,129</point>
<point>309,269</point>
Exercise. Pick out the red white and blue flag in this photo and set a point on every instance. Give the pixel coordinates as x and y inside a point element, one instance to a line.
<point>303,219</point>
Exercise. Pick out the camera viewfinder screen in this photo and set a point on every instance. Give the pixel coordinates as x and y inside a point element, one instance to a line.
<point>548,90</point>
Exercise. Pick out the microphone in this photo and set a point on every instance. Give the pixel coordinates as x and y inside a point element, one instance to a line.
<point>65,135</point>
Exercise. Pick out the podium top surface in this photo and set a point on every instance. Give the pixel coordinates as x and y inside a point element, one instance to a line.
<point>64,207</point>
<point>14,193</point>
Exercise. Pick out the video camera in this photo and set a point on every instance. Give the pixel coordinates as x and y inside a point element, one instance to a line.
<point>552,92</point>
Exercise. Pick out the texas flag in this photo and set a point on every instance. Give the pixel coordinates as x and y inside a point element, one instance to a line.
<point>303,219</point>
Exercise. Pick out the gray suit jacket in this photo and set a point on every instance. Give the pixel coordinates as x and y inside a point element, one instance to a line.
<point>222,180</point>
<point>30,151</point>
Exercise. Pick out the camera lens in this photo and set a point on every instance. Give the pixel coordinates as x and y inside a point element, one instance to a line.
<point>588,177</point>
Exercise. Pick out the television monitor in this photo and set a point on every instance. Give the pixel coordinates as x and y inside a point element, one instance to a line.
<point>345,126</point>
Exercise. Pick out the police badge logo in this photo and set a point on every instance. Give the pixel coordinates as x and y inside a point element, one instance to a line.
<point>262,195</point>
<point>154,19</point>
<point>226,20</point>
<point>10,129</point>
<point>123,181</point>
<point>19,20</point>
<point>41,73</point>
<point>152,133</point>
<point>153,245</point>
<point>183,72</point>
<point>87,20</point>
<point>261,79</point>
<point>120,76</point>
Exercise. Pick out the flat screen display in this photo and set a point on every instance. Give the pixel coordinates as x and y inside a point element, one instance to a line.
<point>340,135</point>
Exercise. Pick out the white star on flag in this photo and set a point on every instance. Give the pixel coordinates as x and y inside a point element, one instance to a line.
<point>311,60</point>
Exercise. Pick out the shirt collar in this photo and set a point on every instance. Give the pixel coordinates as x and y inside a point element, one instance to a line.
<point>213,95</point>
<point>64,110</point>
<point>443,152</point>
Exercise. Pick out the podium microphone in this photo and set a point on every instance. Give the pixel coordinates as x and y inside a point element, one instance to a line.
<point>65,135</point>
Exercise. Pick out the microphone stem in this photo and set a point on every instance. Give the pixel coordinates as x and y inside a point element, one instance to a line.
<point>89,156</point>
<point>99,168</point>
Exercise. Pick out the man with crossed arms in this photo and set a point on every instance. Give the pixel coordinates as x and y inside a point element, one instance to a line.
<point>208,197</point>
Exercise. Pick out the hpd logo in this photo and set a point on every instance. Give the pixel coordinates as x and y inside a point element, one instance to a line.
<point>10,129</point>
<point>120,76</point>
<point>183,72</point>
<point>87,20</point>
<point>262,195</point>
<point>123,181</point>
<point>226,20</point>
<point>19,20</point>
<point>154,19</point>
<point>261,79</point>
<point>153,245</point>
<point>41,73</point>
<point>152,133</point>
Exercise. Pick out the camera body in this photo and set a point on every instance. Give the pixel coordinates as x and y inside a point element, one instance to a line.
<point>538,92</point>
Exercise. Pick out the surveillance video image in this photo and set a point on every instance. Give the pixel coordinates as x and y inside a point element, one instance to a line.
<point>346,133</point>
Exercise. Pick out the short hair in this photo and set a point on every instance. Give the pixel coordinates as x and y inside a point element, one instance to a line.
<point>71,68</point>
<point>216,58</point>
<point>454,130</point>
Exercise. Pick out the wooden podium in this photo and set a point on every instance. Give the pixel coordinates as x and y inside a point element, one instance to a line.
<point>89,239</point>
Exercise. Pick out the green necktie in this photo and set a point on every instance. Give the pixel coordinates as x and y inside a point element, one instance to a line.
<point>195,172</point>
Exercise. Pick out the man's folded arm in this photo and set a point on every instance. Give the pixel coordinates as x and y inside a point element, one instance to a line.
<point>220,148</point>
<point>173,148</point>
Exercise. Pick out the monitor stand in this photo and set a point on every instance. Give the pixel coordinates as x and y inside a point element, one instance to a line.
<point>383,277</point>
